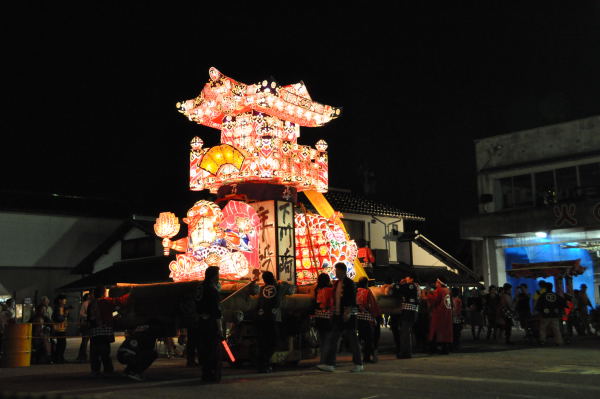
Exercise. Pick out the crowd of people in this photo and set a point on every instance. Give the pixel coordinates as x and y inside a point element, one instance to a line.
<point>345,315</point>
<point>500,311</point>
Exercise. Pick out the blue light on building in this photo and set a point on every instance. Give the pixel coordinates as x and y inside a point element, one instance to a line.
<point>550,253</point>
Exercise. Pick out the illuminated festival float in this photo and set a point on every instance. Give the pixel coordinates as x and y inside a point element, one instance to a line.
<point>257,171</point>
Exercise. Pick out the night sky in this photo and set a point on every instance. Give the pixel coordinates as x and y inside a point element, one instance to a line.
<point>90,91</point>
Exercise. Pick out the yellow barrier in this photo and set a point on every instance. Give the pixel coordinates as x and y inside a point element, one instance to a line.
<point>16,345</point>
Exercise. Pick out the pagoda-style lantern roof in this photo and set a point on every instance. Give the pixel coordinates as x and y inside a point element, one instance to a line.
<point>260,127</point>
<point>223,96</point>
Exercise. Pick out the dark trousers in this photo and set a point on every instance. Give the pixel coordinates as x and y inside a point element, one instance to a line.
<point>348,331</point>
<point>402,327</point>
<point>367,339</point>
<point>267,341</point>
<point>456,329</point>
<point>143,359</point>
<point>491,328</point>
<point>324,340</point>
<point>100,353</point>
<point>39,346</point>
<point>192,347</point>
<point>83,348</point>
<point>210,350</point>
<point>476,334</point>
<point>508,324</point>
<point>61,344</point>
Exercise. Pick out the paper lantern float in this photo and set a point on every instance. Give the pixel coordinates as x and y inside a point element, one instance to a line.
<point>327,243</point>
<point>226,238</point>
<point>260,125</point>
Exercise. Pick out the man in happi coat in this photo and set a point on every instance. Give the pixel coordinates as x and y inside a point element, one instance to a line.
<point>440,327</point>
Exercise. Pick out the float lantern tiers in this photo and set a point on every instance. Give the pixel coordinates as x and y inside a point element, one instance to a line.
<point>260,125</point>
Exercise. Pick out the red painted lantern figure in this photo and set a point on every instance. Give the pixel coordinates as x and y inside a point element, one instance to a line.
<point>225,238</point>
<point>440,326</point>
<point>320,243</point>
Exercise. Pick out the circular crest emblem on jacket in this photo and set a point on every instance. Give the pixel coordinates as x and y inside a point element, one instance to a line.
<point>269,291</point>
<point>447,301</point>
<point>551,297</point>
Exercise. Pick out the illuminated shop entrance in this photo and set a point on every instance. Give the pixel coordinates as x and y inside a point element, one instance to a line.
<point>575,247</point>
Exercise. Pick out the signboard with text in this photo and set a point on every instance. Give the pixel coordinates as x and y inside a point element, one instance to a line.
<point>286,251</point>
<point>276,246</point>
<point>267,246</point>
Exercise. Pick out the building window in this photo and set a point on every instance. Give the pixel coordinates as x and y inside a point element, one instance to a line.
<point>566,182</point>
<point>589,180</point>
<point>505,191</point>
<point>548,187</point>
<point>515,191</point>
<point>589,175</point>
<point>545,193</point>
<point>523,191</point>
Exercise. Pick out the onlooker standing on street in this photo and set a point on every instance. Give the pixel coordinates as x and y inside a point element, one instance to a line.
<point>6,317</point>
<point>550,307</point>
<point>421,327</point>
<point>506,311</point>
<point>582,307</point>
<point>367,316</point>
<point>491,304</point>
<point>60,317</point>
<point>343,321</point>
<point>267,321</point>
<point>566,326</point>
<point>457,321</point>
<point>188,308</point>
<point>211,327</point>
<point>41,350</point>
<point>540,291</point>
<point>440,328</point>
<point>475,309</point>
<point>84,329</point>
<point>402,325</point>
<point>46,308</point>
<point>323,312</point>
<point>523,307</point>
<point>100,317</point>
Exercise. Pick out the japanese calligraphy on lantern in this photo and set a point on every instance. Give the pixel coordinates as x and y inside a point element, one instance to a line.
<point>267,246</point>
<point>286,252</point>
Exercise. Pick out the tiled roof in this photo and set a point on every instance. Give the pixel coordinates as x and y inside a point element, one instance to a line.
<point>348,202</point>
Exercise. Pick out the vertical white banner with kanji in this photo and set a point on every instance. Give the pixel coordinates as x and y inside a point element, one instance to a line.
<point>267,245</point>
<point>286,250</point>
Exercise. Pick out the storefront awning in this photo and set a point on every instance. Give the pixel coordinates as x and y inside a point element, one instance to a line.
<point>547,269</point>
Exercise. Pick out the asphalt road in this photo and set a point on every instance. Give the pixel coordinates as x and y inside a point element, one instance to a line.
<point>481,370</point>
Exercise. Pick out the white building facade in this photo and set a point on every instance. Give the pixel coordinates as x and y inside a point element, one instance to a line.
<point>539,201</point>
